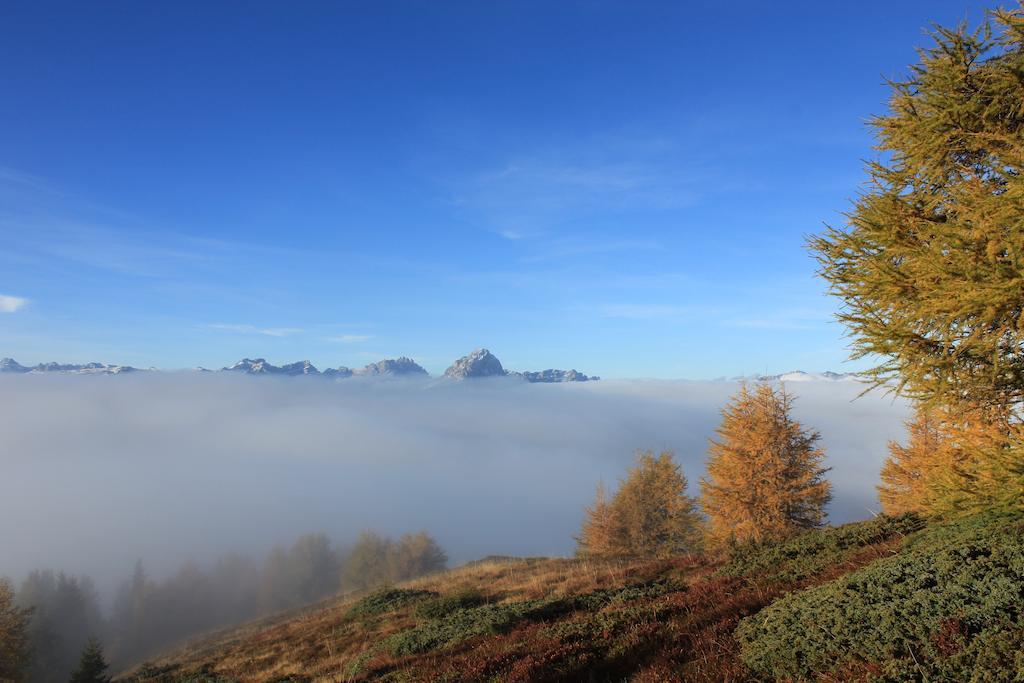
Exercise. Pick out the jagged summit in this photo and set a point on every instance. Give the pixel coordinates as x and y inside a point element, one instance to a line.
<point>397,367</point>
<point>483,363</point>
<point>12,366</point>
<point>479,363</point>
<point>550,376</point>
<point>302,367</point>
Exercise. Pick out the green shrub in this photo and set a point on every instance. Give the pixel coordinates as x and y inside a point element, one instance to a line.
<point>451,624</point>
<point>387,600</point>
<point>443,605</point>
<point>950,606</point>
<point>806,554</point>
<point>462,624</point>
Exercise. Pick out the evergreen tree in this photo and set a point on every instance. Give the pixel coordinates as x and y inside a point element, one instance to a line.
<point>650,514</point>
<point>65,611</point>
<point>15,648</point>
<point>931,264</point>
<point>765,476</point>
<point>92,667</point>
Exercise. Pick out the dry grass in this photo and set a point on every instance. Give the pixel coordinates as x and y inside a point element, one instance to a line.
<point>533,619</point>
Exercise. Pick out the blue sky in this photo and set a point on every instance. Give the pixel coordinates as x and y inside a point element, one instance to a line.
<point>620,187</point>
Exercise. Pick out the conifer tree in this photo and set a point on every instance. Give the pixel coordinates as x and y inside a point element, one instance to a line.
<point>765,478</point>
<point>957,460</point>
<point>14,636</point>
<point>980,466</point>
<point>92,667</point>
<point>599,533</point>
<point>930,266</point>
<point>650,514</point>
<point>909,469</point>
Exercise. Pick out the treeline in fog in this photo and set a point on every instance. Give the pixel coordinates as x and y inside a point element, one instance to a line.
<point>149,615</point>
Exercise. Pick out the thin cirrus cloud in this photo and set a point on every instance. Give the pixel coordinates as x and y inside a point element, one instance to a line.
<point>646,312</point>
<point>351,338</point>
<point>783,320</point>
<point>534,194</point>
<point>11,304</point>
<point>252,329</point>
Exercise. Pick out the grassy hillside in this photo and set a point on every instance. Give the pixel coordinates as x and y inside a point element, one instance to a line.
<point>888,599</point>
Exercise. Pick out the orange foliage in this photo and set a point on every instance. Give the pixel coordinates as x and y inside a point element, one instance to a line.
<point>765,475</point>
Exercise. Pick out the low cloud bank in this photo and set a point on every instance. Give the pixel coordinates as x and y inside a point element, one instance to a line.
<point>99,471</point>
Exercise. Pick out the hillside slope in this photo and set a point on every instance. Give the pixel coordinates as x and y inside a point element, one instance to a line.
<point>887,599</point>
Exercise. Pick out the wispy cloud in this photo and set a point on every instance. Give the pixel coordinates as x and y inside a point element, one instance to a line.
<point>647,311</point>
<point>541,192</point>
<point>252,329</point>
<point>10,304</point>
<point>351,338</point>
<point>794,319</point>
<point>584,247</point>
<point>515,235</point>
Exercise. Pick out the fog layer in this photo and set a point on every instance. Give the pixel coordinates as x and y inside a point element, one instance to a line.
<point>99,471</point>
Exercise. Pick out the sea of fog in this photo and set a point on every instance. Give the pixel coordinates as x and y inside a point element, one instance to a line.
<point>99,471</point>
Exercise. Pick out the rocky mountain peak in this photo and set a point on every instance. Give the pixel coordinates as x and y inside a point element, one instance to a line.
<point>302,367</point>
<point>479,363</point>
<point>398,367</point>
<point>11,365</point>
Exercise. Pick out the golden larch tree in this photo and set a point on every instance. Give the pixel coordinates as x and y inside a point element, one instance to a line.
<point>14,635</point>
<point>909,469</point>
<point>930,264</point>
<point>957,460</point>
<point>650,514</point>
<point>598,535</point>
<point>765,478</point>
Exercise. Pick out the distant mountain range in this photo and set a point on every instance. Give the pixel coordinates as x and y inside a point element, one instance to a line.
<point>801,376</point>
<point>480,363</point>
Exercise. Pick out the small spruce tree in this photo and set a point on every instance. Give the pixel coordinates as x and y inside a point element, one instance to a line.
<point>765,478</point>
<point>92,667</point>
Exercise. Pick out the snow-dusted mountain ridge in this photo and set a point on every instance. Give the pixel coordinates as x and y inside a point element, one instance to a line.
<point>480,363</point>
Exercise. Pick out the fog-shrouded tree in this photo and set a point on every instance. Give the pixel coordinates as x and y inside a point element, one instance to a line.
<point>765,479</point>
<point>416,555</point>
<point>306,572</point>
<point>65,614</point>
<point>930,266</point>
<point>376,559</point>
<point>15,646</point>
<point>649,515</point>
<point>92,666</point>
<point>368,561</point>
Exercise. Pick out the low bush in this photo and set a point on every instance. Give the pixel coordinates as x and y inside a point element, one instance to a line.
<point>950,606</point>
<point>808,553</point>
<point>387,600</point>
<point>462,624</point>
<point>443,605</point>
